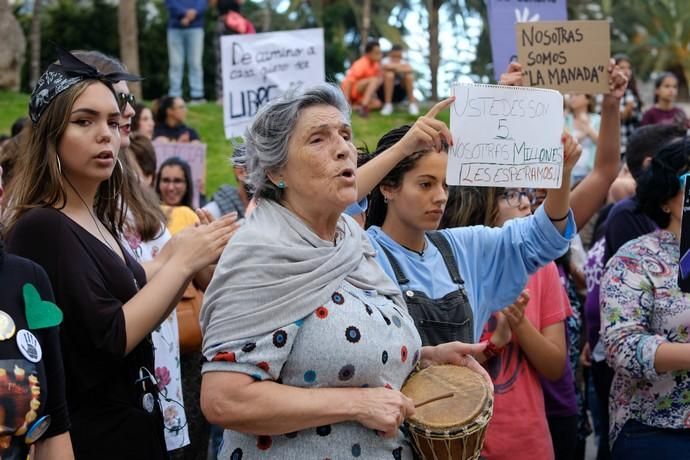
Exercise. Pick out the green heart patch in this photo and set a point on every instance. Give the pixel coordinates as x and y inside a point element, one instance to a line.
<point>40,314</point>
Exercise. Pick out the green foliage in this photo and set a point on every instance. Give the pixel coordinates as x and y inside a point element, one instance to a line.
<point>654,33</point>
<point>14,106</point>
<point>337,20</point>
<point>153,48</point>
<point>73,25</point>
<point>92,25</point>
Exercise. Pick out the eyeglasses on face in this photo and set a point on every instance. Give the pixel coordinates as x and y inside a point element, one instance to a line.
<point>123,99</point>
<point>172,180</point>
<point>513,196</point>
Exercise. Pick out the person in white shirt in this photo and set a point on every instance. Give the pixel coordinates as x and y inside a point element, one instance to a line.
<point>398,81</point>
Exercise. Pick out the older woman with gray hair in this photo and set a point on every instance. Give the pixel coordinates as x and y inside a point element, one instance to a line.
<point>307,341</point>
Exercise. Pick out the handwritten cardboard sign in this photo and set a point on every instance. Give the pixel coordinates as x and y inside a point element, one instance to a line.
<point>569,56</point>
<point>192,153</point>
<point>260,67</point>
<point>505,136</point>
<point>503,14</point>
<point>684,262</point>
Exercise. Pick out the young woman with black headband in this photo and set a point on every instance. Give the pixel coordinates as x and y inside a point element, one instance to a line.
<point>68,218</point>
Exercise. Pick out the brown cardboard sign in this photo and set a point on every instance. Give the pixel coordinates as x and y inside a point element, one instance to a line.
<point>569,56</point>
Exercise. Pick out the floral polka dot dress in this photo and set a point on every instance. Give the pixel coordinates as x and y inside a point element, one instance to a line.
<point>357,339</point>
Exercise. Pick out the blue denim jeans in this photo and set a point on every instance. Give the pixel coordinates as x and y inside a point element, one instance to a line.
<point>187,43</point>
<point>643,442</point>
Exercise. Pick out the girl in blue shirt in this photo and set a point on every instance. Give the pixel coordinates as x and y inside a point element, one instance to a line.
<point>455,278</point>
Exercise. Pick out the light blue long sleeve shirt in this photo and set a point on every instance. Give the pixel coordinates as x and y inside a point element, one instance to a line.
<point>494,262</point>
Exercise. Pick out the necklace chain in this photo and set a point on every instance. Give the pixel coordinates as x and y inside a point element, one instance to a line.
<point>95,221</point>
<point>420,253</point>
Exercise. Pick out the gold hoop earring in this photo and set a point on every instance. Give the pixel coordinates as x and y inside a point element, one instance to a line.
<point>59,165</point>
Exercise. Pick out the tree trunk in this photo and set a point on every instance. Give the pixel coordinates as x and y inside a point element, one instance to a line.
<point>35,38</point>
<point>366,24</point>
<point>433,6</point>
<point>129,41</point>
<point>266,23</point>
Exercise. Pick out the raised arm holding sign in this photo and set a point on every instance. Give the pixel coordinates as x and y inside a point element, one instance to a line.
<point>591,192</point>
<point>426,133</point>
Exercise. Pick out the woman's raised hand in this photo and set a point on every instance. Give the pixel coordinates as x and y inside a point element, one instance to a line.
<point>618,82</point>
<point>205,216</point>
<point>383,410</point>
<point>458,353</point>
<point>512,76</point>
<point>571,153</point>
<point>428,132</point>
<point>502,333</point>
<point>515,312</point>
<point>196,247</point>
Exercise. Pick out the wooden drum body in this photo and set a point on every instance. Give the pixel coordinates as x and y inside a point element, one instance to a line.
<point>451,428</point>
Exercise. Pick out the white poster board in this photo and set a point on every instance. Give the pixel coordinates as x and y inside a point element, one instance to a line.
<point>257,68</point>
<point>193,153</point>
<point>505,136</point>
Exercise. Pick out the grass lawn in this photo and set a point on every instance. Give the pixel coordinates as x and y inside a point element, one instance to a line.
<point>207,119</point>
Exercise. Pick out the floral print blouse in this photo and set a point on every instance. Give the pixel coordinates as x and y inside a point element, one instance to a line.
<point>642,308</point>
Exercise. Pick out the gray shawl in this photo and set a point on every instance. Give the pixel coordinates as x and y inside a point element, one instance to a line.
<point>276,270</point>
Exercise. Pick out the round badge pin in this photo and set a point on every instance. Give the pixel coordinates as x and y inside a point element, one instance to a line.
<point>29,346</point>
<point>147,402</point>
<point>7,326</point>
<point>37,430</point>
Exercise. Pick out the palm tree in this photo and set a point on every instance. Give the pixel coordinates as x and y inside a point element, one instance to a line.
<point>433,7</point>
<point>656,35</point>
<point>35,39</point>
<point>129,40</point>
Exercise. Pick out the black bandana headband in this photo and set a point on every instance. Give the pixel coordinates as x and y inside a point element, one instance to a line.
<point>59,77</point>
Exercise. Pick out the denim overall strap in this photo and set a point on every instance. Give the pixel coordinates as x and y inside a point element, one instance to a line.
<point>446,251</point>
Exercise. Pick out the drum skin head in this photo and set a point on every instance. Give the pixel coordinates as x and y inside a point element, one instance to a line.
<point>471,393</point>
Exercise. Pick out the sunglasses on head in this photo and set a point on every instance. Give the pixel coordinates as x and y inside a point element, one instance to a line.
<point>123,99</point>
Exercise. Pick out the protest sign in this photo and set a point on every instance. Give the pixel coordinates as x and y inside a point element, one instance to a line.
<point>505,136</point>
<point>503,14</point>
<point>684,262</point>
<point>192,153</point>
<point>260,67</point>
<point>569,56</point>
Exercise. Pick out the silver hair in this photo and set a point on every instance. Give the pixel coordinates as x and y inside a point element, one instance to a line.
<point>267,138</point>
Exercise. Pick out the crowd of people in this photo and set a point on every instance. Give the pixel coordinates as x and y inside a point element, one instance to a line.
<point>281,318</point>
